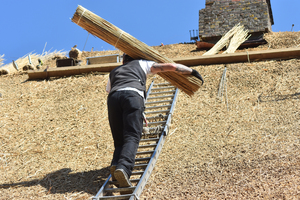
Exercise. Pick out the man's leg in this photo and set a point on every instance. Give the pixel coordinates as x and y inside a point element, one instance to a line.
<point>133,108</point>
<point>116,124</point>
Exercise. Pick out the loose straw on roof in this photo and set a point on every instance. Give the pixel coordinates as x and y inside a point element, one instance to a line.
<point>1,60</point>
<point>133,47</point>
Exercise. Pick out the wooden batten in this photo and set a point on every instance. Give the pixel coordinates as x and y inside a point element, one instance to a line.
<point>248,56</point>
<point>71,71</point>
<point>251,56</point>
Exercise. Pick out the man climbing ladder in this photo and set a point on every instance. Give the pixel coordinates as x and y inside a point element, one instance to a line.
<point>126,87</point>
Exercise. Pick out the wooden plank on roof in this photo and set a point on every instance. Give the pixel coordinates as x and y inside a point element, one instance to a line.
<point>250,56</point>
<point>71,71</point>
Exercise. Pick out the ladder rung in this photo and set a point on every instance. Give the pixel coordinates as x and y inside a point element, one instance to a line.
<point>160,97</point>
<point>140,166</point>
<point>156,129</point>
<point>158,111</point>
<point>144,152</point>
<point>157,117</point>
<point>156,102</point>
<point>166,83</point>
<point>126,196</point>
<point>149,140</point>
<point>162,106</point>
<point>119,189</point>
<point>152,134</point>
<point>156,123</point>
<point>131,180</point>
<point>142,159</point>
<point>147,146</point>
<point>164,92</point>
<point>163,88</point>
<point>137,173</point>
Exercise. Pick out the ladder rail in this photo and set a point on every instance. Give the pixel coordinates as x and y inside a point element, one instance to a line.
<point>149,90</point>
<point>169,119</point>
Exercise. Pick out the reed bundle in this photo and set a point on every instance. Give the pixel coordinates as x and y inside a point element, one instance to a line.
<point>240,36</point>
<point>232,39</point>
<point>132,46</point>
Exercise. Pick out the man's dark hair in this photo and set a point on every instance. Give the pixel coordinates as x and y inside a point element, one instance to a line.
<point>127,58</point>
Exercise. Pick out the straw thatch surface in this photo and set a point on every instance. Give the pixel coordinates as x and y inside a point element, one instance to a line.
<point>277,40</point>
<point>56,143</point>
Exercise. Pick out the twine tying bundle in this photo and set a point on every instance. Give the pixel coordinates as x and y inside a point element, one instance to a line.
<point>133,47</point>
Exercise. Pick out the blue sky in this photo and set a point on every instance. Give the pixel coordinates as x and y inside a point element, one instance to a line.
<point>26,26</point>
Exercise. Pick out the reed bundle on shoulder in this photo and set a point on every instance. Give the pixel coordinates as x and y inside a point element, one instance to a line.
<point>133,47</point>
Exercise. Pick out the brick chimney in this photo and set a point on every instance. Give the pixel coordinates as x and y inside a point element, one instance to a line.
<point>219,16</point>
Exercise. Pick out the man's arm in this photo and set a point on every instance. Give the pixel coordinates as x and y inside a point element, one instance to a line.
<point>164,67</point>
<point>179,68</point>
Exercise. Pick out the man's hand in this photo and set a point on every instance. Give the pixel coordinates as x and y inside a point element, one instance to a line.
<point>197,75</point>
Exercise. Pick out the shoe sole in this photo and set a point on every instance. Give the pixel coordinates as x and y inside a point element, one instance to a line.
<point>112,172</point>
<point>122,178</point>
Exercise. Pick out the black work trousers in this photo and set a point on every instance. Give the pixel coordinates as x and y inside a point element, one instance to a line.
<point>125,114</point>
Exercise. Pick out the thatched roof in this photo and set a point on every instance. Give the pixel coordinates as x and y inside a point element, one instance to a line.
<point>56,142</point>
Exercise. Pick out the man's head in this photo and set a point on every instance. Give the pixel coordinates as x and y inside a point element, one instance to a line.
<point>126,58</point>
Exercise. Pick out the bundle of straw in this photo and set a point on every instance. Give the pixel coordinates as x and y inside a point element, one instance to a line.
<point>240,36</point>
<point>233,39</point>
<point>133,47</point>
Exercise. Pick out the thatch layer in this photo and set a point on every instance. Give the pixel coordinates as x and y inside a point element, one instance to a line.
<point>56,141</point>
<point>131,46</point>
<point>277,40</point>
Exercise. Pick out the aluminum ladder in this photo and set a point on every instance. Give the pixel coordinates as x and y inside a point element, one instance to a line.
<point>159,106</point>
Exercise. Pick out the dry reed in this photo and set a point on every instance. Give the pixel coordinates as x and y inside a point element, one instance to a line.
<point>233,39</point>
<point>56,141</point>
<point>240,36</point>
<point>277,40</point>
<point>131,46</point>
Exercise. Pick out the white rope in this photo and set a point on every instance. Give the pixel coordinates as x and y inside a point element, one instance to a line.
<point>119,38</point>
<point>248,56</point>
<point>223,88</point>
<point>81,16</point>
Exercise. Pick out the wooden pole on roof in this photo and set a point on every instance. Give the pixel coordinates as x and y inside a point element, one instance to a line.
<point>133,47</point>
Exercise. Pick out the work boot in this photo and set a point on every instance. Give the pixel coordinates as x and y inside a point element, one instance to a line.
<point>122,178</point>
